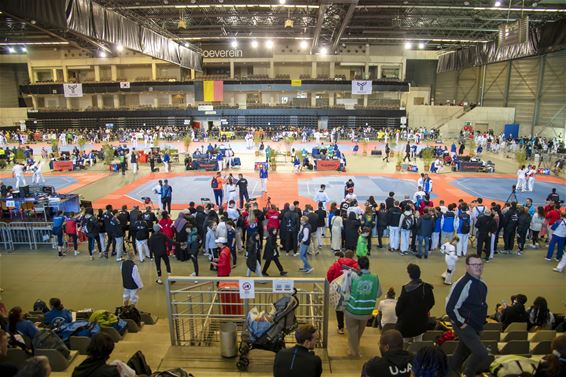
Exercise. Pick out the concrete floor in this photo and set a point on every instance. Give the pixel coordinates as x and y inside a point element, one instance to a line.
<point>28,275</point>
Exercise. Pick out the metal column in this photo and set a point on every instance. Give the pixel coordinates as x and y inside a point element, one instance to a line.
<point>538,95</point>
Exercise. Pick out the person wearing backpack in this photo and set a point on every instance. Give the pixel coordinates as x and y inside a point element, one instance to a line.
<point>406,223</point>
<point>216,185</point>
<point>463,227</point>
<point>510,222</point>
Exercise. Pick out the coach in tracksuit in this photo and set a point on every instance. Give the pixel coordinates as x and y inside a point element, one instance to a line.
<point>467,308</point>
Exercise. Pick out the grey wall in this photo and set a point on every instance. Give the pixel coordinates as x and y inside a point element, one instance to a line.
<point>11,77</point>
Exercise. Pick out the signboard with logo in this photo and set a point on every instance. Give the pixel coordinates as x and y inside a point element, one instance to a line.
<point>73,90</point>
<point>243,51</point>
<point>205,108</point>
<point>247,289</point>
<point>283,286</point>
<point>361,87</point>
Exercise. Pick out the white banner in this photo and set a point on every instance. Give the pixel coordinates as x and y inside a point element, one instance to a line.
<point>283,286</point>
<point>361,87</point>
<point>247,289</point>
<point>124,85</point>
<point>73,90</point>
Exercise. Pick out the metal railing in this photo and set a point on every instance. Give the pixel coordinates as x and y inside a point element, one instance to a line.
<point>198,305</point>
<point>26,234</point>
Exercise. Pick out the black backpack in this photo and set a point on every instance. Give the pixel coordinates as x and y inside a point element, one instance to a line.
<point>138,363</point>
<point>408,222</point>
<point>465,218</point>
<point>40,306</point>
<point>129,312</point>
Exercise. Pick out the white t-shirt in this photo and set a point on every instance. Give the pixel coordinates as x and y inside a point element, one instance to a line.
<point>387,309</point>
<point>18,169</point>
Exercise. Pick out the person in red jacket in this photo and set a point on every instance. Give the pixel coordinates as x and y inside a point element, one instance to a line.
<point>71,231</point>
<point>167,228</point>
<point>552,216</point>
<point>223,263</point>
<point>272,217</point>
<point>335,270</point>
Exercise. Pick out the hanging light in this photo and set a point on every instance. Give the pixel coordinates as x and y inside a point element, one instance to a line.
<point>408,45</point>
<point>421,45</point>
<point>323,51</point>
<point>119,48</point>
<point>254,44</point>
<point>234,44</point>
<point>304,45</point>
<point>102,54</point>
<point>269,43</point>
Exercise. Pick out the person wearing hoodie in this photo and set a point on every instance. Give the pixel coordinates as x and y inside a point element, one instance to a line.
<point>381,219</point>
<point>522,228</point>
<point>98,351</point>
<point>447,224</point>
<point>345,260</point>
<point>351,232</point>
<point>406,224</point>
<point>289,228</point>
<point>362,248</point>
<point>510,221</point>
<point>516,312</point>
<point>425,226</point>
<point>271,253</point>
<point>463,226</point>
<point>414,304</point>
<point>393,217</point>
<point>394,360</point>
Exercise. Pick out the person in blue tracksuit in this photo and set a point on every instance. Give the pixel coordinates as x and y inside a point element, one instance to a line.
<point>57,231</point>
<point>435,239</point>
<point>263,175</point>
<point>447,224</point>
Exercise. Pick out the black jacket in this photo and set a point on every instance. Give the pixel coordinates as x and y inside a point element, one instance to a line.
<point>253,252</point>
<point>389,202</point>
<point>290,222</point>
<point>425,225</point>
<point>392,363</point>
<point>297,362</point>
<point>313,221</point>
<point>413,307</point>
<point>158,244</point>
<point>486,224</point>
<point>393,216</point>
<point>469,294</point>
<point>524,222</point>
<point>514,313</point>
<point>270,251</point>
<point>95,368</point>
<point>351,233</point>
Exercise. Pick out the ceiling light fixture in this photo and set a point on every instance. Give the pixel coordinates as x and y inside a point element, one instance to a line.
<point>304,45</point>
<point>282,2</point>
<point>234,44</point>
<point>24,49</point>
<point>421,45</point>
<point>408,45</point>
<point>102,54</point>
<point>269,43</point>
<point>323,51</point>
<point>497,3</point>
<point>11,50</point>
<point>119,48</point>
<point>254,44</point>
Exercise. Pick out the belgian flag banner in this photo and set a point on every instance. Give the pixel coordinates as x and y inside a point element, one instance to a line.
<point>209,91</point>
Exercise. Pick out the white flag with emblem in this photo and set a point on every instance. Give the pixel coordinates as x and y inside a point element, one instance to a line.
<point>124,85</point>
<point>361,87</point>
<point>73,90</point>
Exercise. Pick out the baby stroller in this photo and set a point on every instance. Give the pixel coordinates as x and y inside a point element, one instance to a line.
<point>269,336</point>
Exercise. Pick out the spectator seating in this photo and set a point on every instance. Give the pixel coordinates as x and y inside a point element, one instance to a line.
<point>515,347</point>
<point>514,335</point>
<point>542,348</point>
<point>432,335</point>
<point>516,326</point>
<point>416,346</point>
<point>449,346</point>
<point>542,335</point>
<point>57,361</point>
<point>490,335</point>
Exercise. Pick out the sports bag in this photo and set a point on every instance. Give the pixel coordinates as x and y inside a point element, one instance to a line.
<point>129,312</point>
<point>48,339</point>
<point>138,363</point>
<point>103,318</point>
<point>177,372</point>
<point>513,365</point>
<point>77,328</point>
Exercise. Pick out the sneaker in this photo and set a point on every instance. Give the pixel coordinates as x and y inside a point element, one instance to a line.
<point>296,254</point>
<point>60,254</point>
<point>301,269</point>
<point>341,331</point>
<point>317,252</point>
<point>194,274</point>
<point>92,257</point>
<point>265,274</point>
<point>159,281</point>
<point>445,283</point>
<point>119,259</point>
<point>426,257</point>
<point>418,256</point>
<point>548,259</point>
<point>76,253</point>
<point>100,255</point>
<point>309,270</point>
<point>556,269</point>
<point>283,273</point>
<point>519,253</point>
